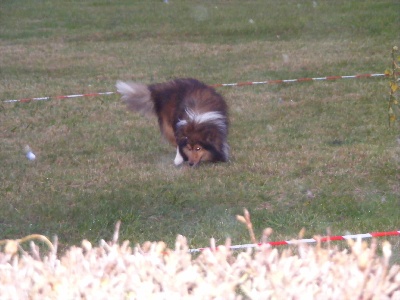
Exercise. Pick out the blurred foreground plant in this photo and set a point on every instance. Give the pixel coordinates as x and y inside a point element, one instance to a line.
<point>152,271</point>
<point>394,86</point>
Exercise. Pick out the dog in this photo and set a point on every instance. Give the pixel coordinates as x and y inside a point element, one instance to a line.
<point>192,116</point>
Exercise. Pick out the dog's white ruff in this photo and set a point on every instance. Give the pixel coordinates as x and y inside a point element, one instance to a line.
<point>214,117</point>
<point>178,158</point>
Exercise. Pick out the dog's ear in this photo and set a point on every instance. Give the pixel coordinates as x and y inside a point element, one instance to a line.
<point>182,141</point>
<point>218,147</point>
<point>211,137</point>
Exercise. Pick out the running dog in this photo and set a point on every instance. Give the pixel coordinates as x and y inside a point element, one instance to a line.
<point>192,116</point>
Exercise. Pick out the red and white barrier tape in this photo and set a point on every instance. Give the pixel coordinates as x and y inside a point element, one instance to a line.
<point>58,97</point>
<point>299,80</point>
<point>244,83</point>
<point>322,239</point>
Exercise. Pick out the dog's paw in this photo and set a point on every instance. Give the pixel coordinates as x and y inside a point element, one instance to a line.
<point>178,158</point>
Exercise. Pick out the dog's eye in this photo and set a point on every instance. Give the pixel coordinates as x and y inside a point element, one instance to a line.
<point>197,148</point>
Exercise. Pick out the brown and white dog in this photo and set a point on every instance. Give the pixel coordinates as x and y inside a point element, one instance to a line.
<point>192,116</point>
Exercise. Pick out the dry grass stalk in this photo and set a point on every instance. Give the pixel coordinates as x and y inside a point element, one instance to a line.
<point>246,220</point>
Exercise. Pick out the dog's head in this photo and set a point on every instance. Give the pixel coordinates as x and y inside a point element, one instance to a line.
<point>203,147</point>
<point>195,153</point>
<point>202,137</point>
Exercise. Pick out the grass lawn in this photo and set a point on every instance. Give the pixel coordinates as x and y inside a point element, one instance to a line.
<point>315,155</point>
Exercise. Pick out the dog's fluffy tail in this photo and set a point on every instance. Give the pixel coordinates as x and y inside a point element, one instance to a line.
<point>136,96</point>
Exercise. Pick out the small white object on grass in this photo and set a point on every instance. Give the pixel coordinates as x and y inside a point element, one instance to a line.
<point>29,154</point>
<point>286,59</point>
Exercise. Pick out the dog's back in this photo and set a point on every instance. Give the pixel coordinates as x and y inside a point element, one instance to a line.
<point>178,95</point>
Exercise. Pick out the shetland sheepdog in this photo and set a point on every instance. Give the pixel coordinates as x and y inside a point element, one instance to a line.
<point>192,116</point>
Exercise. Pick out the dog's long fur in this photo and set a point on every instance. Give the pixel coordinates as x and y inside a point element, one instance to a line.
<point>192,116</point>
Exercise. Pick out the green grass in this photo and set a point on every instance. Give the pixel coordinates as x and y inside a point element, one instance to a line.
<point>315,155</point>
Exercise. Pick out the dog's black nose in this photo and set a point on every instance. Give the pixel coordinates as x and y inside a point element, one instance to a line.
<point>191,164</point>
